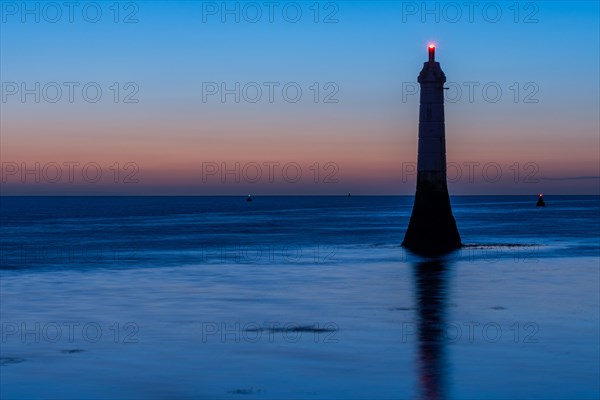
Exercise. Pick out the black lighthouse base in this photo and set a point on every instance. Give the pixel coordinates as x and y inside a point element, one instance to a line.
<point>432,229</point>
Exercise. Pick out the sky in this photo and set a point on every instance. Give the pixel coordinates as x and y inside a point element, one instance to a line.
<point>294,98</point>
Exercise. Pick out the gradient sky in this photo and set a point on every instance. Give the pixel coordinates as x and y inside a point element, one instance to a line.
<point>372,54</point>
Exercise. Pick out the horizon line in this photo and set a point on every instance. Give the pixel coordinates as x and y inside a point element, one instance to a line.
<point>287,195</point>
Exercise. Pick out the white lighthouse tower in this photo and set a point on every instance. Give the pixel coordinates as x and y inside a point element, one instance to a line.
<point>432,228</point>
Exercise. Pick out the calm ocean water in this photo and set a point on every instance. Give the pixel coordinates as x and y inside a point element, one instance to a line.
<point>296,297</point>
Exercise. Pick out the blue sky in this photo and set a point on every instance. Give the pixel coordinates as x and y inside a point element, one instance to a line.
<point>547,52</point>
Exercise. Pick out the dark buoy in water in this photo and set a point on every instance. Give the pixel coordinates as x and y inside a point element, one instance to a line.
<point>540,202</point>
<point>249,198</point>
<point>432,229</point>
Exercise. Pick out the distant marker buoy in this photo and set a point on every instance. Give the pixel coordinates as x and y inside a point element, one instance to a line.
<point>249,198</point>
<point>540,202</point>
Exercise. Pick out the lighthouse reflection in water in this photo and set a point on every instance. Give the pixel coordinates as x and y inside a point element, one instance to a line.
<point>430,280</point>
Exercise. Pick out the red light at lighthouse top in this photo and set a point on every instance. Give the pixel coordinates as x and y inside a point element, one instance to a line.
<point>431,48</point>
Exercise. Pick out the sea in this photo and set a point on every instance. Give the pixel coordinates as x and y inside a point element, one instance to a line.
<point>296,297</point>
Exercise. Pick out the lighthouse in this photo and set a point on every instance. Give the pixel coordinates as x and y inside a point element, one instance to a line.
<point>432,228</point>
